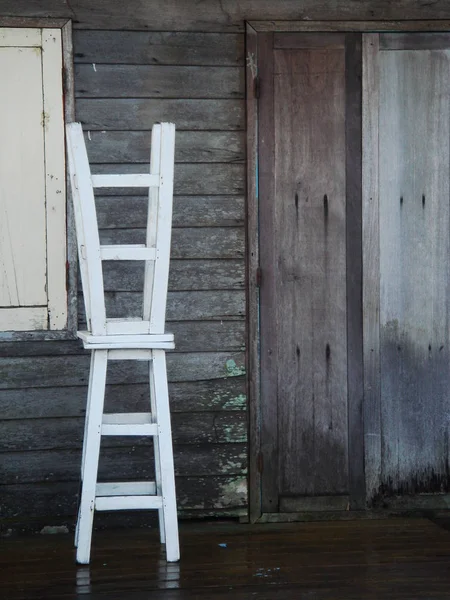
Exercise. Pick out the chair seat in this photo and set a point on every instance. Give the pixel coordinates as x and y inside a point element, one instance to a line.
<point>135,341</point>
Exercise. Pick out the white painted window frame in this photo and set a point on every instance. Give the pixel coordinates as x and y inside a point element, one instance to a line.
<point>61,309</point>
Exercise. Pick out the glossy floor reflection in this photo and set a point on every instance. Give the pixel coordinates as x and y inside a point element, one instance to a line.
<point>372,559</point>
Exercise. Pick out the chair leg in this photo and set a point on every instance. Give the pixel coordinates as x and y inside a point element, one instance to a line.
<point>156,452</point>
<point>158,374</point>
<point>83,454</point>
<point>91,452</point>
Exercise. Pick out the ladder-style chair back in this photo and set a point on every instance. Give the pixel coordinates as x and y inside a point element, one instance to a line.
<point>155,252</point>
<point>126,338</point>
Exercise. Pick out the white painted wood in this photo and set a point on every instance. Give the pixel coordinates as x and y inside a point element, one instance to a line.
<point>130,354</point>
<point>144,346</point>
<point>87,230</point>
<point>55,179</point>
<point>20,37</point>
<point>129,424</point>
<point>85,437</point>
<point>91,451</point>
<point>152,222</point>
<point>124,180</point>
<point>27,318</point>
<point>128,502</point>
<point>163,338</point>
<point>131,326</point>
<point>130,252</point>
<point>139,418</point>
<point>128,338</point>
<point>158,379</point>
<point>161,274</point>
<point>126,488</point>
<point>22,198</point>
<point>157,453</point>
<point>32,207</point>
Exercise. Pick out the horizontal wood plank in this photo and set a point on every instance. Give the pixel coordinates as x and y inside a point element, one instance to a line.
<point>125,463</point>
<point>208,242</point>
<point>189,306</point>
<point>208,336</point>
<point>55,371</point>
<point>158,48</point>
<point>40,348</point>
<point>188,243</point>
<point>190,146</point>
<point>181,306</point>
<point>139,114</point>
<point>187,428</point>
<point>369,25</point>
<point>308,40</point>
<point>148,81</point>
<point>414,41</point>
<point>54,500</point>
<point>218,15</point>
<point>190,336</point>
<point>188,211</point>
<point>184,275</point>
<point>51,402</point>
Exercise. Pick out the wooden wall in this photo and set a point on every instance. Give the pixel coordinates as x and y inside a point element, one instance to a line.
<point>181,60</point>
<point>124,82</point>
<point>218,15</point>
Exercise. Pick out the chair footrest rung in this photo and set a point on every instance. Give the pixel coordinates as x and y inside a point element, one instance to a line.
<point>129,424</point>
<point>126,488</point>
<point>127,495</point>
<point>128,502</point>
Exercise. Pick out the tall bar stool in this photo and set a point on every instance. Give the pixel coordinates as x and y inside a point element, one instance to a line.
<point>141,338</point>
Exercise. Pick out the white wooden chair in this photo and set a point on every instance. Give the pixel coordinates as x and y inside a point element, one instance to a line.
<point>126,338</point>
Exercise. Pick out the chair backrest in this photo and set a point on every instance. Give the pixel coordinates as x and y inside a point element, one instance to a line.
<point>155,252</point>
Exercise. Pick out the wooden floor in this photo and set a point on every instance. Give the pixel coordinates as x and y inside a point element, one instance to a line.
<point>392,559</point>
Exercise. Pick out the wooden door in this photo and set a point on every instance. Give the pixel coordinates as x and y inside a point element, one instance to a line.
<point>406,264</point>
<point>310,254</point>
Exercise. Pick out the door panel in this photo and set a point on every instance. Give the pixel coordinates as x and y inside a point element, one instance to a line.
<point>411,165</point>
<point>305,292</point>
<point>354,249</point>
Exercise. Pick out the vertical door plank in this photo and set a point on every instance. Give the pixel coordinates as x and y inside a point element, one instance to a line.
<point>268,297</point>
<point>353,73</point>
<point>371,266</point>
<point>414,280</point>
<point>253,353</point>
<point>55,188</point>
<point>310,203</point>
<point>22,182</point>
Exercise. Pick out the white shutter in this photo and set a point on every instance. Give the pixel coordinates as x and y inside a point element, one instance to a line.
<point>32,181</point>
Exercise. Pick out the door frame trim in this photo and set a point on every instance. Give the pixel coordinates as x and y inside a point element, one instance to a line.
<point>252,213</point>
<point>431,25</point>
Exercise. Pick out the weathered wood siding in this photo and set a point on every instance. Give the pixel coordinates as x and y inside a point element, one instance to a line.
<point>408,251</point>
<point>135,66</point>
<point>124,82</point>
<point>219,15</point>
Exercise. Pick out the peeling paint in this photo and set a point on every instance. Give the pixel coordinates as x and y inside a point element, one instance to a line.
<point>45,120</point>
<point>232,370</point>
<point>234,492</point>
<point>54,529</point>
<point>235,403</point>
